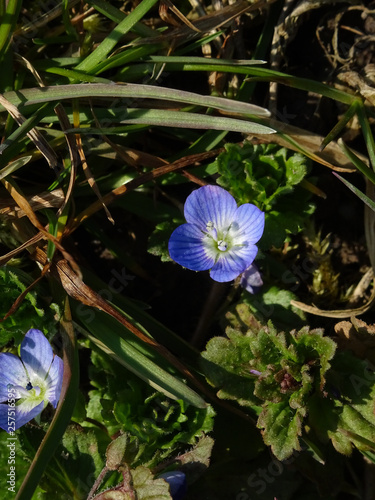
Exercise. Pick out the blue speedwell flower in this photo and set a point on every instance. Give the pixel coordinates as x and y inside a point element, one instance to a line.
<point>31,382</point>
<point>218,235</point>
<point>177,483</point>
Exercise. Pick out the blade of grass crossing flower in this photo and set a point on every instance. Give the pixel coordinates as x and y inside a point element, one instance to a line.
<point>357,192</point>
<point>340,125</point>
<point>361,166</point>
<point>63,412</point>
<point>103,50</point>
<point>367,133</point>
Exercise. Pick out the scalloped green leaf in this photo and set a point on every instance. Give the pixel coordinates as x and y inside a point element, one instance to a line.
<point>148,488</point>
<point>282,427</point>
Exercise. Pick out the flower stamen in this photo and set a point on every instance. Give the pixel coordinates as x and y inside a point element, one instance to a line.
<point>222,245</point>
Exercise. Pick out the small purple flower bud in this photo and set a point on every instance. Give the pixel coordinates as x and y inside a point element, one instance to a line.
<point>251,279</point>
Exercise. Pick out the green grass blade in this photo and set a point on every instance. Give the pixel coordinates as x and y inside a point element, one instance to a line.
<point>114,339</point>
<point>362,167</point>
<point>66,20</point>
<point>209,61</point>
<point>56,93</point>
<point>76,75</point>
<point>7,23</point>
<point>367,133</point>
<point>188,49</point>
<point>21,130</point>
<point>268,75</point>
<point>180,119</point>
<point>117,16</point>
<point>15,165</point>
<point>357,192</point>
<point>52,229</point>
<point>107,45</point>
<point>340,125</point>
<point>123,58</point>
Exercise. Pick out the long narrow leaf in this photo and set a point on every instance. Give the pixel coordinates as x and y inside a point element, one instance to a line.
<point>13,166</point>
<point>8,22</point>
<point>102,51</point>
<point>367,133</point>
<point>116,15</point>
<point>362,167</point>
<point>268,75</point>
<point>357,192</point>
<point>47,94</point>
<point>180,119</point>
<point>116,341</point>
<point>348,115</point>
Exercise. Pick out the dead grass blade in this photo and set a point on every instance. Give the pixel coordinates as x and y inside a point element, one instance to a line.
<point>22,202</point>
<point>34,134</point>
<point>336,313</point>
<point>163,12</point>
<point>47,199</point>
<point>309,144</point>
<point>205,24</point>
<point>147,177</point>
<point>10,255</point>
<point>21,297</point>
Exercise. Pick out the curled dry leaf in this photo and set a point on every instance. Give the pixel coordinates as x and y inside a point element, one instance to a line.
<point>357,336</point>
<point>43,200</point>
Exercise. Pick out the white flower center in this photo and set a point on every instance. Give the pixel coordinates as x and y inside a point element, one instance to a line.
<point>217,240</point>
<point>222,245</point>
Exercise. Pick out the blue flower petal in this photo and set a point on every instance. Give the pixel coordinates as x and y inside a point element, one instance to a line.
<point>233,263</point>
<point>4,393</point>
<point>12,370</point>
<point>186,248</point>
<point>248,224</point>
<point>36,354</point>
<point>54,380</point>
<point>210,204</point>
<point>177,483</point>
<point>25,412</point>
<point>251,279</point>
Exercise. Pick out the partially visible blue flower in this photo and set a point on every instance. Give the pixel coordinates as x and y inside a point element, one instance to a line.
<point>251,279</point>
<point>33,381</point>
<point>177,483</point>
<point>218,235</point>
